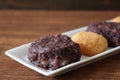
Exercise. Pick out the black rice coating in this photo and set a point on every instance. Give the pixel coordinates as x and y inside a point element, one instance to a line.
<point>110,30</point>
<point>53,51</point>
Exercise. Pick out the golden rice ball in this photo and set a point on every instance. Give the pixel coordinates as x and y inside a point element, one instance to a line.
<point>116,19</point>
<point>90,43</point>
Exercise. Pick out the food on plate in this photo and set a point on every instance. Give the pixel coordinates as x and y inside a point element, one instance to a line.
<point>53,51</point>
<point>110,30</point>
<point>90,43</point>
<point>116,19</point>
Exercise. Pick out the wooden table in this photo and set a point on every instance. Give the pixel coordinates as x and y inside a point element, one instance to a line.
<point>20,27</point>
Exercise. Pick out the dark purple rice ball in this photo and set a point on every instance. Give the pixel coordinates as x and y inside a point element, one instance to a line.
<point>53,51</point>
<point>110,30</point>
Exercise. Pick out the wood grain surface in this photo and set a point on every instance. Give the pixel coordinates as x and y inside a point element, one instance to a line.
<point>20,27</point>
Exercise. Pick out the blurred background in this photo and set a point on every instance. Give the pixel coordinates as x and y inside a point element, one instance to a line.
<point>61,4</point>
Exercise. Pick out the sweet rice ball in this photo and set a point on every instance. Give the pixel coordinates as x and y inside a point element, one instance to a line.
<point>110,30</point>
<point>116,19</point>
<point>90,43</point>
<point>53,51</point>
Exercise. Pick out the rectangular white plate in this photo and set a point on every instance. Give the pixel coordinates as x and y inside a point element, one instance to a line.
<point>20,55</point>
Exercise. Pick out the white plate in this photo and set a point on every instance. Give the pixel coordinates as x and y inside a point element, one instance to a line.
<point>20,55</point>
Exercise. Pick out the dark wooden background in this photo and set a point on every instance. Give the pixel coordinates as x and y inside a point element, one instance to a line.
<point>61,4</point>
